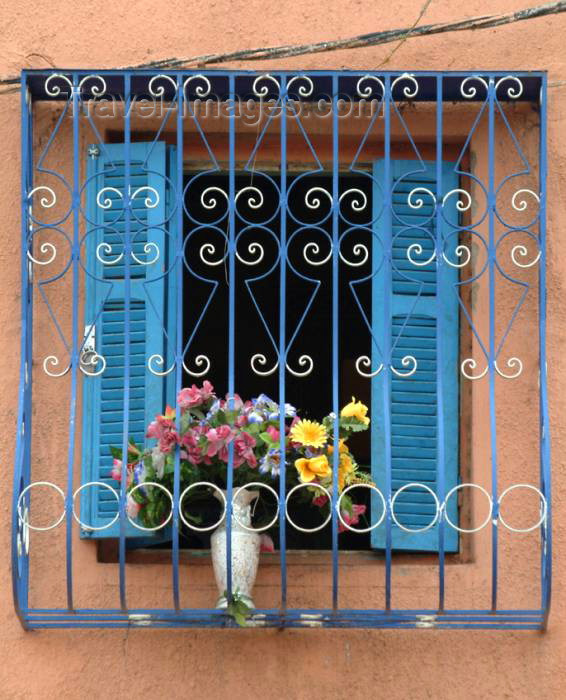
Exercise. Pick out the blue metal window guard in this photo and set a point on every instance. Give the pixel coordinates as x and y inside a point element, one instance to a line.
<point>61,112</point>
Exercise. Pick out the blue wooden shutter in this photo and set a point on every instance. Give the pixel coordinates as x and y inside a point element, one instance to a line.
<point>150,315</point>
<point>418,295</point>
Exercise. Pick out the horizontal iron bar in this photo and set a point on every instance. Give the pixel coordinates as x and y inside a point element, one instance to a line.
<point>292,611</point>
<point>532,81</point>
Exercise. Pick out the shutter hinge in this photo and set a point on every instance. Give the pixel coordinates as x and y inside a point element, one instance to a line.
<point>88,353</point>
<point>93,150</point>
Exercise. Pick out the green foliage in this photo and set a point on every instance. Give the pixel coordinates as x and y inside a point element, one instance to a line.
<point>238,609</point>
<point>351,425</point>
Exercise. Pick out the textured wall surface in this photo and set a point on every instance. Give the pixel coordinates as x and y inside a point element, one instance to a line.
<point>267,663</point>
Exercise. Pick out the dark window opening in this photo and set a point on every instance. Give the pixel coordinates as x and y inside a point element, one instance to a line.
<point>311,395</point>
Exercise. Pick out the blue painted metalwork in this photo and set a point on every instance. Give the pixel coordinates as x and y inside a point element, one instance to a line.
<point>176,273</point>
<point>546,530</point>
<point>178,246</point>
<point>281,346</point>
<point>335,334</point>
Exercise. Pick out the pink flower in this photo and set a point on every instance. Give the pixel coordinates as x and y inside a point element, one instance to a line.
<point>352,519</point>
<point>161,425</point>
<point>168,441</point>
<point>273,433</point>
<point>266,544</point>
<point>243,450</point>
<point>163,430</point>
<point>116,472</point>
<point>207,391</point>
<point>132,507</point>
<point>189,397</point>
<point>154,429</point>
<point>218,438</point>
<point>320,500</point>
<point>193,453</point>
<point>241,421</point>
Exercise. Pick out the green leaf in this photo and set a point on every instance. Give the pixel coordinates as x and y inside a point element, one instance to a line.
<point>266,437</point>
<point>197,519</point>
<point>237,609</point>
<point>185,422</point>
<point>138,497</point>
<point>346,504</point>
<point>240,619</point>
<point>352,424</point>
<point>116,452</point>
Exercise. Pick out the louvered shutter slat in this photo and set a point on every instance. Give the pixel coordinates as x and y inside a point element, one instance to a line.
<point>103,410</point>
<point>418,295</point>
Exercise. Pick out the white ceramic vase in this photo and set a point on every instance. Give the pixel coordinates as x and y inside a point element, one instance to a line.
<point>245,551</point>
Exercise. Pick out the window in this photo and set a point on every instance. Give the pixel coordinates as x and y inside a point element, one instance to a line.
<point>410,289</point>
<point>311,237</point>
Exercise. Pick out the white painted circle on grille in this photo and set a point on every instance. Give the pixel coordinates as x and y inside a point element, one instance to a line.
<point>419,529</point>
<point>37,527</point>
<point>274,519</point>
<point>145,484</point>
<point>92,528</point>
<point>471,529</point>
<point>186,491</point>
<point>304,529</point>
<point>542,510</point>
<point>372,487</point>
<point>25,531</point>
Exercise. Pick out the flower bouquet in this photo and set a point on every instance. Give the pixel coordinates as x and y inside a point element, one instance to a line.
<point>207,431</point>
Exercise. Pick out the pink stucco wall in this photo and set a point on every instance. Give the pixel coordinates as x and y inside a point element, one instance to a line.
<point>266,663</point>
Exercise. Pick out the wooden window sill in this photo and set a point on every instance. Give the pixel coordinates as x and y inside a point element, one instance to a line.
<point>107,552</point>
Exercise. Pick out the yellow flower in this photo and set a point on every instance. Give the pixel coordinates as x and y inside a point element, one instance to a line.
<point>313,468</point>
<point>308,433</point>
<point>346,468</point>
<point>355,409</point>
<point>341,447</point>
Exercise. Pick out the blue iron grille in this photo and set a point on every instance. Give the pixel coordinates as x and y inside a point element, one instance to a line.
<point>309,236</point>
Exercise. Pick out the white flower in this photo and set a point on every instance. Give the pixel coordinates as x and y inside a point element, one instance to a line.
<point>158,462</point>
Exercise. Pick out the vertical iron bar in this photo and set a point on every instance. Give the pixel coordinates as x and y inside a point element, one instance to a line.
<point>127,294</point>
<point>26,465</point>
<point>492,358</point>
<point>335,336</point>
<point>440,267</point>
<point>546,554</point>
<point>282,343</point>
<point>231,318</point>
<point>21,459</point>
<point>178,270</point>
<point>387,212</point>
<point>28,368</point>
<point>74,348</point>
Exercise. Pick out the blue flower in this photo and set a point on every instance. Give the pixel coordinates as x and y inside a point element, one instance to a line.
<point>140,475</point>
<point>264,399</point>
<point>270,464</point>
<point>255,417</point>
<point>213,410</point>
